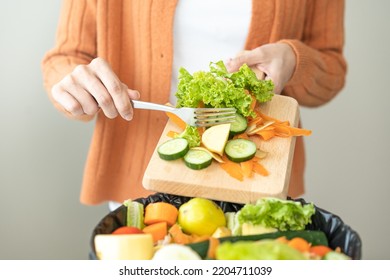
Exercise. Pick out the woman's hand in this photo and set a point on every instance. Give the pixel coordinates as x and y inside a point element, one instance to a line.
<point>92,87</point>
<point>276,60</point>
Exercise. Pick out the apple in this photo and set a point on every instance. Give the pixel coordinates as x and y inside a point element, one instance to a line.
<point>127,230</point>
<point>216,137</point>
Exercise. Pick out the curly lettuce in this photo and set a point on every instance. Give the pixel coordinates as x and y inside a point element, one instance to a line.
<point>191,134</point>
<point>276,213</point>
<point>218,88</point>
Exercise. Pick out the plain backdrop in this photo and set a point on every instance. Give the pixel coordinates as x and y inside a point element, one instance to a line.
<point>42,154</point>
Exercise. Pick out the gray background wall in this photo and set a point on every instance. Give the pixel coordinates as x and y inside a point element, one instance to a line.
<point>42,154</point>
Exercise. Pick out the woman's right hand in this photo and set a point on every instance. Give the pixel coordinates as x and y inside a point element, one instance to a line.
<point>92,87</point>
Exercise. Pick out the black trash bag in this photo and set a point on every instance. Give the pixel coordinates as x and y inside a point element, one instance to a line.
<point>338,233</point>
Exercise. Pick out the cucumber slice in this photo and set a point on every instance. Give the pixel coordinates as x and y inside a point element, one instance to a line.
<point>173,149</point>
<point>197,159</point>
<point>238,126</point>
<point>239,150</point>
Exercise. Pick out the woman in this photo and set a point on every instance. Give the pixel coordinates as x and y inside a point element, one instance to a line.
<point>109,52</point>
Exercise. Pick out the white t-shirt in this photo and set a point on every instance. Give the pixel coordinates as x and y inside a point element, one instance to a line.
<point>207,31</point>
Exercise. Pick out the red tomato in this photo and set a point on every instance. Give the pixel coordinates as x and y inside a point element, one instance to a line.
<point>127,230</point>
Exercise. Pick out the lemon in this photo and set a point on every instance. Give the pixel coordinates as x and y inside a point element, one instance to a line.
<point>200,216</point>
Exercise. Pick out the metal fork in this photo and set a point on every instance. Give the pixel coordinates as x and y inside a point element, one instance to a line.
<point>202,117</point>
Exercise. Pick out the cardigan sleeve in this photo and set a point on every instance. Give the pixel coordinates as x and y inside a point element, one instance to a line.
<point>321,68</point>
<point>75,44</point>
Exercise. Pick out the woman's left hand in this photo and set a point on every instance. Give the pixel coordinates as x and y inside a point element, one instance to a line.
<point>276,60</point>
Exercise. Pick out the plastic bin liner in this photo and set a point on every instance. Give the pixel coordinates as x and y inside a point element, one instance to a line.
<point>338,233</point>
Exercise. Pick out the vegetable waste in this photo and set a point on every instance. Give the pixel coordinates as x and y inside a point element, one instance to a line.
<point>189,232</point>
<point>243,91</point>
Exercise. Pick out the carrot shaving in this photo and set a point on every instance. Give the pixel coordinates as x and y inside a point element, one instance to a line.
<point>213,245</point>
<point>259,169</point>
<point>266,134</point>
<point>232,168</point>
<point>247,168</point>
<point>243,136</point>
<point>172,134</point>
<point>254,102</point>
<point>176,120</point>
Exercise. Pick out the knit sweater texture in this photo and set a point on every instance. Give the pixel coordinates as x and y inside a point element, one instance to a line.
<point>136,38</point>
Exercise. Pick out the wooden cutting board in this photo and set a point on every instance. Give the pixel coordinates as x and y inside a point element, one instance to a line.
<point>174,177</point>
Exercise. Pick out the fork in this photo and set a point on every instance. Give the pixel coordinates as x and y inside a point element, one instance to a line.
<point>202,117</point>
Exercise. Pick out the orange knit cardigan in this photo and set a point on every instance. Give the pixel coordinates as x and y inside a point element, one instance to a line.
<point>136,37</point>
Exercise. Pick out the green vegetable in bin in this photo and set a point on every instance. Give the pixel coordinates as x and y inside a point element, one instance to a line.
<point>262,250</point>
<point>275,213</point>
<point>314,237</point>
<point>135,214</point>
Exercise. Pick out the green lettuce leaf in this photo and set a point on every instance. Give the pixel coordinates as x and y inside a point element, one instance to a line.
<point>257,250</point>
<point>218,88</point>
<point>191,134</point>
<point>276,213</point>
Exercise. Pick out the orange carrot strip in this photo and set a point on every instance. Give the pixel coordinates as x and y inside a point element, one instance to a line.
<point>282,131</point>
<point>160,212</point>
<point>172,134</point>
<point>300,131</point>
<point>255,121</point>
<point>267,118</point>
<point>246,168</point>
<point>232,168</point>
<point>266,134</point>
<point>259,169</point>
<point>176,120</point>
<point>213,245</point>
<point>254,102</point>
<point>243,136</point>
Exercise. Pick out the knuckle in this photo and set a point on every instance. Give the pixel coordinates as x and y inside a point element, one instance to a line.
<point>104,101</point>
<point>79,69</point>
<point>91,109</point>
<point>74,108</point>
<point>98,62</point>
<point>115,88</point>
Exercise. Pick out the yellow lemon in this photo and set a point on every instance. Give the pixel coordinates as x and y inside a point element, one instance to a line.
<point>200,216</point>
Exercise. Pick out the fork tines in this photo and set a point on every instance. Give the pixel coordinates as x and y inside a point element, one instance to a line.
<point>214,116</point>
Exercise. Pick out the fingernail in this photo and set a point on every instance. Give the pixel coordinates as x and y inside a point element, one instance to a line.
<point>128,117</point>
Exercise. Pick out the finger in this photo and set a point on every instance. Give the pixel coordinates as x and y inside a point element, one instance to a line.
<point>133,94</point>
<point>87,102</point>
<point>67,101</point>
<point>116,89</point>
<point>245,57</point>
<point>94,86</point>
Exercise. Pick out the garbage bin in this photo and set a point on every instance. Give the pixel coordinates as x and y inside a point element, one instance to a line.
<point>338,233</point>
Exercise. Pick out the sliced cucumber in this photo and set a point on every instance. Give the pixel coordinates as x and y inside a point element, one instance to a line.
<point>239,150</point>
<point>239,125</point>
<point>197,159</point>
<point>173,149</point>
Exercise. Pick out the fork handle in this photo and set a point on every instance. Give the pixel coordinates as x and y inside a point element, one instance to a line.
<point>151,106</point>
